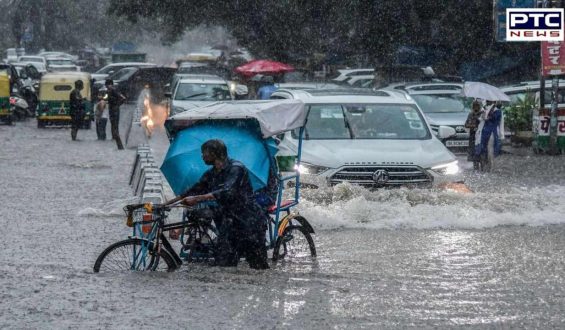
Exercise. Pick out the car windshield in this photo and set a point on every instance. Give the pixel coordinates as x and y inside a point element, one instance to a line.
<point>365,121</point>
<point>440,103</point>
<point>122,74</point>
<point>202,92</point>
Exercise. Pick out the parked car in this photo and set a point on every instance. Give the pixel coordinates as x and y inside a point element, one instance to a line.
<point>11,55</point>
<point>34,60</point>
<point>195,68</point>
<point>443,105</point>
<point>307,85</point>
<point>60,64</point>
<point>519,90</point>
<point>109,69</point>
<point>64,55</point>
<point>197,90</point>
<point>361,81</point>
<point>37,66</point>
<point>345,74</point>
<point>369,138</point>
<point>134,80</point>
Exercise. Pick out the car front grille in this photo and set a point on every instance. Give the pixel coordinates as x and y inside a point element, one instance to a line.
<point>398,176</point>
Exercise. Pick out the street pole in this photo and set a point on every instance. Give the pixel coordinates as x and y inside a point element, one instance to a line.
<point>554,102</point>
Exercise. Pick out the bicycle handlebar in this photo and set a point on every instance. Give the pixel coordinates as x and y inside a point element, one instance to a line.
<point>132,207</point>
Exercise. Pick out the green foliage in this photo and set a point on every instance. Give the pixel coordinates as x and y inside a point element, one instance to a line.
<point>518,116</point>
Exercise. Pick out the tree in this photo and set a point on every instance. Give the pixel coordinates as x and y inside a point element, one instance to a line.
<point>370,30</point>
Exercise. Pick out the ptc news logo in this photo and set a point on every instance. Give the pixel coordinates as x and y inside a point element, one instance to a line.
<point>534,24</point>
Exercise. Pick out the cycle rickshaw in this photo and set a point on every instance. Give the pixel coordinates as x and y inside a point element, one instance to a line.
<point>289,234</point>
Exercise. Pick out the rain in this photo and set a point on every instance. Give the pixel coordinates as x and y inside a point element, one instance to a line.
<point>418,180</point>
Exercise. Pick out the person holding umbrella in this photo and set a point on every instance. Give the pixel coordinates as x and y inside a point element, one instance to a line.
<point>491,126</point>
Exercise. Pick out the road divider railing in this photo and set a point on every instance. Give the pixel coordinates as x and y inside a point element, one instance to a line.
<point>146,180</point>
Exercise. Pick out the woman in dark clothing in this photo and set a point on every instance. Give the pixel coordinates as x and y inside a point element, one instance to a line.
<point>472,123</point>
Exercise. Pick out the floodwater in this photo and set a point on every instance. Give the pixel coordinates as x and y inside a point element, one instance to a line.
<point>386,259</point>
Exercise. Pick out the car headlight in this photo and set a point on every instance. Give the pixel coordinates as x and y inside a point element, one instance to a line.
<point>447,169</point>
<point>306,168</point>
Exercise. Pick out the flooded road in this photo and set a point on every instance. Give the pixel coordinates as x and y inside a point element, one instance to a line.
<point>387,259</point>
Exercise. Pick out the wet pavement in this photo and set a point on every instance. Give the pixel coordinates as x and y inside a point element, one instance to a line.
<point>387,259</point>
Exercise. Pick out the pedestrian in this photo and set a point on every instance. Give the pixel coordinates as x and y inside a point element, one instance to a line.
<point>76,108</point>
<point>240,221</point>
<point>472,123</point>
<point>115,99</point>
<point>101,114</point>
<point>268,87</point>
<point>491,126</point>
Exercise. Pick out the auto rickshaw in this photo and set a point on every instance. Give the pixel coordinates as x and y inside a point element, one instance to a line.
<point>54,92</point>
<point>5,109</point>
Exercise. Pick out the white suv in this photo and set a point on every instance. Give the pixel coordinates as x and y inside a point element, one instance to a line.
<point>191,91</point>
<point>370,138</point>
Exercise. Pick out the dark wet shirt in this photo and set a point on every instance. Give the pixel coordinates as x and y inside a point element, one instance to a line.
<point>473,120</point>
<point>115,99</point>
<point>76,102</point>
<point>233,193</point>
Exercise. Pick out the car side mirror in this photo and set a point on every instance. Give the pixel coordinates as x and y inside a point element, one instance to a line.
<point>445,132</point>
<point>110,72</point>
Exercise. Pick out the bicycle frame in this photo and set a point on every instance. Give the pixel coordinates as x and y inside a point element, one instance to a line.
<point>274,228</point>
<point>155,237</point>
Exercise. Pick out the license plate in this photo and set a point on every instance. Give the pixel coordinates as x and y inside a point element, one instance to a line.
<point>457,143</point>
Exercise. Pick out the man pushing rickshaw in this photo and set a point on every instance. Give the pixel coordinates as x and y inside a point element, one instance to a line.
<point>221,165</point>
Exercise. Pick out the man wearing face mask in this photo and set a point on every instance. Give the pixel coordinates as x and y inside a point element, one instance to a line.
<point>240,221</point>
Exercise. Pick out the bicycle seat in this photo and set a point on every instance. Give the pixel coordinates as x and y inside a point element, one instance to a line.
<point>284,204</point>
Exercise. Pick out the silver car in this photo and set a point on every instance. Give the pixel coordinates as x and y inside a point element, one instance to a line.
<point>443,105</point>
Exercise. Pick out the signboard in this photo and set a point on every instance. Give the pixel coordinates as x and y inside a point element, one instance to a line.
<point>534,24</point>
<point>500,7</point>
<point>553,58</point>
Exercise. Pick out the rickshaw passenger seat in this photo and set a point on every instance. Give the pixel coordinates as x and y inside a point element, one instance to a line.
<point>284,204</point>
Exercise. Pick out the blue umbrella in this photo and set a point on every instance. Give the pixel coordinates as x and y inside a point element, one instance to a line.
<point>183,165</point>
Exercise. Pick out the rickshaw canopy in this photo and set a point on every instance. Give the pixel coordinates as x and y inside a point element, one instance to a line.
<point>58,86</point>
<point>273,116</point>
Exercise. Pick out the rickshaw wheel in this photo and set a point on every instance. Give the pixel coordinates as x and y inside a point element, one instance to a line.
<point>295,242</point>
<point>118,258</point>
<point>40,124</point>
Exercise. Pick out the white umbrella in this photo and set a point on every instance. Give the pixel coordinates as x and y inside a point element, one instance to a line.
<point>484,91</point>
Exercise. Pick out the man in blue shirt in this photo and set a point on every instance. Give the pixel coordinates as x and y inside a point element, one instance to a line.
<point>268,87</point>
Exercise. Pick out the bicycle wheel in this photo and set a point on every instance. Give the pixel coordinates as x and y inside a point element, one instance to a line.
<point>295,242</point>
<point>198,243</point>
<point>119,257</point>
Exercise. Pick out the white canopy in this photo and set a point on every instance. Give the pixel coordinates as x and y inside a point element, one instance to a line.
<point>274,116</point>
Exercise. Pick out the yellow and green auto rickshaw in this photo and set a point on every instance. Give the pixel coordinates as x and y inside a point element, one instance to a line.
<point>54,91</point>
<point>5,109</point>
